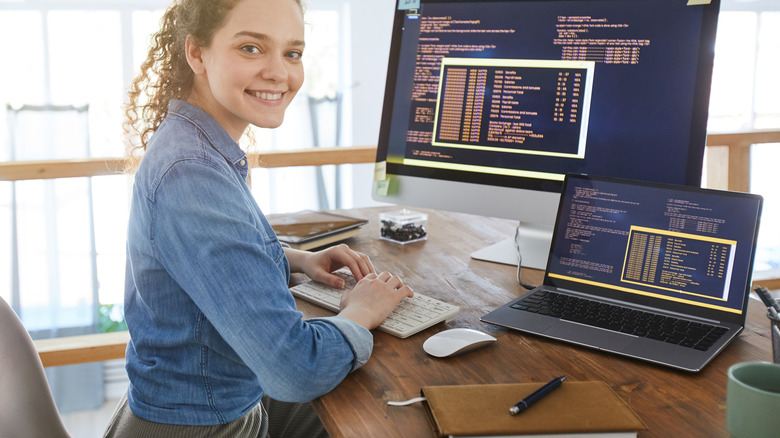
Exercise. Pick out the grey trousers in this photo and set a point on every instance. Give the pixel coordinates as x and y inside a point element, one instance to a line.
<point>270,419</point>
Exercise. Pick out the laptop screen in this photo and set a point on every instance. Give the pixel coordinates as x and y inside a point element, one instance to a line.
<point>679,248</point>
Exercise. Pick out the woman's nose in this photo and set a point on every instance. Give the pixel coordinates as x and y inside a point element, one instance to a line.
<point>275,69</point>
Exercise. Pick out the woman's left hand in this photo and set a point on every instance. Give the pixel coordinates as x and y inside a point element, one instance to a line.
<point>319,265</point>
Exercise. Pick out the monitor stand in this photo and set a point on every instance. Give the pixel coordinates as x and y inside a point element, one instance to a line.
<point>534,242</point>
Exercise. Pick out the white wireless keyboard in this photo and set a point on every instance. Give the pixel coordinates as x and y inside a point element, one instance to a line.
<point>411,316</point>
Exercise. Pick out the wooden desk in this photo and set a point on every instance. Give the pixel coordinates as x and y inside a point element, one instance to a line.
<point>672,403</point>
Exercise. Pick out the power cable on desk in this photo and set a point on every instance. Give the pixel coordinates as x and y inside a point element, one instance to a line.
<point>521,282</point>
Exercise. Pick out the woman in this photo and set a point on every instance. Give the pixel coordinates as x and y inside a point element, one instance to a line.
<point>213,326</point>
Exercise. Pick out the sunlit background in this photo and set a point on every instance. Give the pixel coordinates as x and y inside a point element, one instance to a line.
<point>62,233</point>
<point>62,250</point>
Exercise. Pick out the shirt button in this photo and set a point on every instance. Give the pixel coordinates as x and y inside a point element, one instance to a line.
<point>242,162</point>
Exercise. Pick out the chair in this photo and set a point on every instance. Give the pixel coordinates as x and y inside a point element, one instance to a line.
<point>27,407</point>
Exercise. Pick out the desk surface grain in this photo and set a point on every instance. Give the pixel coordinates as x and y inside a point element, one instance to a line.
<point>671,402</point>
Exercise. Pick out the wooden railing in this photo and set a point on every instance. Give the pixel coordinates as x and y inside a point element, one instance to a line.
<point>728,158</point>
<point>81,349</point>
<point>728,167</point>
<point>49,169</point>
<point>728,164</point>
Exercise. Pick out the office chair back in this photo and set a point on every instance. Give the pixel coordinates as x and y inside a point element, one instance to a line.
<point>27,407</point>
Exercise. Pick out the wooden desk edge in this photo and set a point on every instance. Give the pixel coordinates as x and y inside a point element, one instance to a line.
<point>82,349</point>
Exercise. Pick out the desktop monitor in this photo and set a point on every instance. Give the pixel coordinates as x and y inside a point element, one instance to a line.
<point>488,104</point>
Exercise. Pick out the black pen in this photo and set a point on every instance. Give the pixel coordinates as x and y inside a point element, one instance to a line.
<point>536,395</point>
<point>768,300</point>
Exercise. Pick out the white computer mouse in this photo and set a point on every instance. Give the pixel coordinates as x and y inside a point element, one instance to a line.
<point>456,341</point>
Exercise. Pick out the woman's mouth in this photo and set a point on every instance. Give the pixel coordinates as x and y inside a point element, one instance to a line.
<point>264,95</point>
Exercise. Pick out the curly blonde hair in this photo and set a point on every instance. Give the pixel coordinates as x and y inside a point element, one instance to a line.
<point>165,74</point>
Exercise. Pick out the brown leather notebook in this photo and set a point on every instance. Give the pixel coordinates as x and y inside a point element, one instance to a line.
<point>483,410</point>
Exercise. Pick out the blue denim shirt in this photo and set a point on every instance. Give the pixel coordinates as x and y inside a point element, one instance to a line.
<point>212,323</point>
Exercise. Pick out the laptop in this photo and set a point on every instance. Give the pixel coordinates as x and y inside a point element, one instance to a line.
<point>651,271</point>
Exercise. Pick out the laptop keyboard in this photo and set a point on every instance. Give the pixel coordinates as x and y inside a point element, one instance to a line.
<point>682,332</point>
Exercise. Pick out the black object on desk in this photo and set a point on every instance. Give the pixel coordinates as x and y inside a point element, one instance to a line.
<point>768,300</point>
<point>536,395</point>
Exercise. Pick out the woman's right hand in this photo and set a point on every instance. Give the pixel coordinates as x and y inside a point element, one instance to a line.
<point>373,298</point>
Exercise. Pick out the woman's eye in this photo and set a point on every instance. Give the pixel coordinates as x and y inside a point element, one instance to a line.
<point>250,49</point>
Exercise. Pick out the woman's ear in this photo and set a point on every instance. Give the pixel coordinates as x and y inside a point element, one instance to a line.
<point>194,55</point>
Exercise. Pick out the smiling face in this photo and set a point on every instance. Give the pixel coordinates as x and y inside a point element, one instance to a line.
<point>253,68</point>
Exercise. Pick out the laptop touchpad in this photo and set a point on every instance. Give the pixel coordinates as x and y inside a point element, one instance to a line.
<point>591,336</point>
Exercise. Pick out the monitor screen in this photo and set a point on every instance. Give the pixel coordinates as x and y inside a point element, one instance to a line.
<point>488,104</point>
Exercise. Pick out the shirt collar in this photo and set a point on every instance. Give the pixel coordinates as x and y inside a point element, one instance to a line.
<point>216,134</point>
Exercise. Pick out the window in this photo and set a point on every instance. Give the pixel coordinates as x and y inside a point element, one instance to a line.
<point>62,62</point>
<point>745,93</point>
<point>745,96</point>
<point>85,53</point>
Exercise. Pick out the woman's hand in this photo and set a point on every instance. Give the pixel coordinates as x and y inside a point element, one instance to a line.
<point>373,298</point>
<point>319,265</point>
